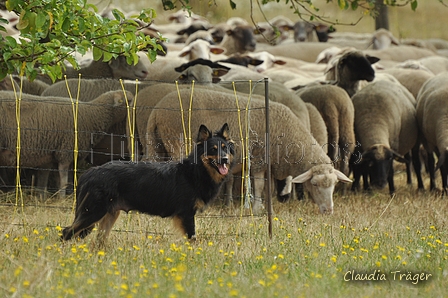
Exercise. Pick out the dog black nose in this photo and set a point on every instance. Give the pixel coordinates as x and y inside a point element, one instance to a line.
<point>224,160</point>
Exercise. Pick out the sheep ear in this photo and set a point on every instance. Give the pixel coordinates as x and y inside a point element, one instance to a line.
<point>219,72</point>
<point>399,157</point>
<point>204,134</point>
<point>372,59</point>
<point>216,50</point>
<point>341,177</point>
<point>185,52</point>
<point>280,62</point>
<point>303,177</point>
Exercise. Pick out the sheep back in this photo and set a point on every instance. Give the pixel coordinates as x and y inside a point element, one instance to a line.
<point>293,148</point>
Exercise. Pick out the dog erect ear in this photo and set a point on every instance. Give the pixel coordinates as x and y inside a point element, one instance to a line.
<point>224,132</point>
<point>204,133</point>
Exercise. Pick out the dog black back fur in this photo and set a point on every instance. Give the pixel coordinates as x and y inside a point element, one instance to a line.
<point>175,190</point>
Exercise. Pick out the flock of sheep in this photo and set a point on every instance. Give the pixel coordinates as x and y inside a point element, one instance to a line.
<point>341,104</point>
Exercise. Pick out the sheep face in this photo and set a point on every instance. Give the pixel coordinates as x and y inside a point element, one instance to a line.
<point>244,38</point>
<point>319,182</point>
<point>378,162</point>
<point>357,66</point>
<point>122,70</point>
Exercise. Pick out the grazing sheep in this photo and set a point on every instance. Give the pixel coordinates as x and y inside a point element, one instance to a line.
<point>432,111</point>
<point>292,150</point>
<point>46,140</point>
<point>336,109</point>
<point>386,128</point>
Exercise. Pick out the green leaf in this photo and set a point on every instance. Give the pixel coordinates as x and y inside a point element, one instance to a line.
<point>107,56</point>
<point>232,4</point>
<point>354,5</point>
<point>97,53</point>
<point>41,19</point>
<point>414,5</point>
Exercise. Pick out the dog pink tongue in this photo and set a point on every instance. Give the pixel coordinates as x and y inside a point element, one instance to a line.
<point>223,170</point>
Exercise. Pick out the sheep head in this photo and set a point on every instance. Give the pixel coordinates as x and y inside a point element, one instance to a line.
<point>320,181</point>
<point>378,159</point>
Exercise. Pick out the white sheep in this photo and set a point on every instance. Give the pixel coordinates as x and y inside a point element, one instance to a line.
<point>400,53</point>
<point>49,139</point>
<point>116,68</point>
<point>432,111</point>
<point>305,51</point>
<point>386,128</point>
<point>293,149</point>
<point>337,111</point>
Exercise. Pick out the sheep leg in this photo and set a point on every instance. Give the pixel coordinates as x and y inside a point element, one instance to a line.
<point>431,168</point>
<point>390,179</point>
<point>63,178</point>
<point>257,206</point>
<point>407,156</point>
<point>443,172</point>
<point>417,165</point>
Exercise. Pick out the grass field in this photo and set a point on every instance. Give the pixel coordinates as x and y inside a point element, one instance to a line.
<point>309,255</point>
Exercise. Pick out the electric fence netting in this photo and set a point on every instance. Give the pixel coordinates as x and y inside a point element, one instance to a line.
<point>38,134</point>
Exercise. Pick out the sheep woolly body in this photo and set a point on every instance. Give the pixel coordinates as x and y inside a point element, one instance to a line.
<point>337,111</point>
<point>45,139</point>
<point>389,108</point>
<point>432,111</point>
<point>385,115</point>
<point>294,151</point>
<point>317,126</point>
<point>117,68</point>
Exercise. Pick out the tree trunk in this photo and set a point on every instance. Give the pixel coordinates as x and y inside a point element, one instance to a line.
<point>382,19</point>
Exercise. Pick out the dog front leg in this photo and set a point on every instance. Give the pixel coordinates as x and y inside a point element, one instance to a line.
<point>185,222</point>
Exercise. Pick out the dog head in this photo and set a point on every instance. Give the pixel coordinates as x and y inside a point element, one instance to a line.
<point>215,151</point>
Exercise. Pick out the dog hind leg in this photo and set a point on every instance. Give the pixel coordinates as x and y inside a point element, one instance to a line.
<point>83,224</point>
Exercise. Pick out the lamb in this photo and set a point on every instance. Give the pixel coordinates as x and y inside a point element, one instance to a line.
<point>386,128</point>
<point>47,140</point>
<point>432,109</point>
<point>337,111</point>
<point>292,151</point>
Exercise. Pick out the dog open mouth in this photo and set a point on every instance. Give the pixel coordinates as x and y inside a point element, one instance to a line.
<point>223,168</point>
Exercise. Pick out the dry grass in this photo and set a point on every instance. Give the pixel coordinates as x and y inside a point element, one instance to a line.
<point>308,255</point>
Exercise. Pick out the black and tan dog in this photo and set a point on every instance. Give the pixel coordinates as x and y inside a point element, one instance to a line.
<point>175,190</point>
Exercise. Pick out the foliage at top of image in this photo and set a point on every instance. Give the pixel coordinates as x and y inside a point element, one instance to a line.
<point>52,30</point>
